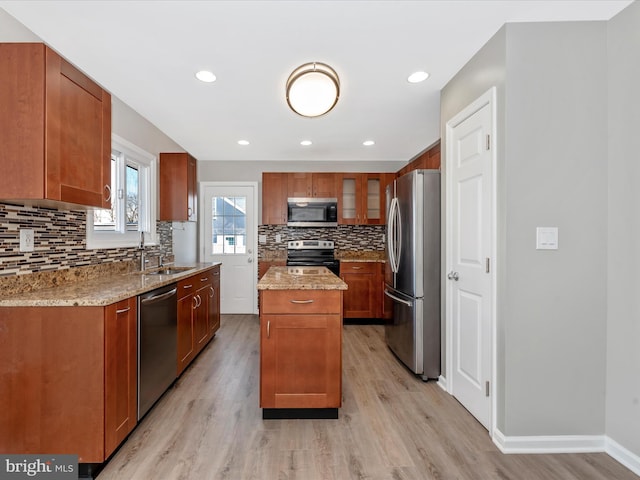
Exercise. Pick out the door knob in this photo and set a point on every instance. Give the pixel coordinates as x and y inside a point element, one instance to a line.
<point>453,276</point>
<point>249,259</point>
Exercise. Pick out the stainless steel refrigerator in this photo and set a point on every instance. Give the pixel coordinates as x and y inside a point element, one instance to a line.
<point>412,275</point>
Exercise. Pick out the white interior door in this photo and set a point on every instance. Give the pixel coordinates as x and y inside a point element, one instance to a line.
<point>228,235</point>
<point>470,250</point>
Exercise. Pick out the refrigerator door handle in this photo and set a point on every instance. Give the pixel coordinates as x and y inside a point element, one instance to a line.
<point>397,299</point>
<point>392,240</point>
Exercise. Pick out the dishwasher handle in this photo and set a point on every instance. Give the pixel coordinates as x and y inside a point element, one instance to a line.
<point>159,298</point>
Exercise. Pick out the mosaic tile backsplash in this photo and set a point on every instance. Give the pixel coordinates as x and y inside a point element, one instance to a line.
<point>346,237</point>
<point>59,241</point>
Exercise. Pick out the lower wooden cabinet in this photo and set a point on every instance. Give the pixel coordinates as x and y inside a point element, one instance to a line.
<point>69,379</point>
<point>198,314</point>
<point>363,299</point>
<point>300,349</point>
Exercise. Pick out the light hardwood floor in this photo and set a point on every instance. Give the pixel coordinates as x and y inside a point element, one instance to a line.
<point>392,426</point>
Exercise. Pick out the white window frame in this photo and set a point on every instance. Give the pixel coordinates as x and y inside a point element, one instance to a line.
<point>128,153</point>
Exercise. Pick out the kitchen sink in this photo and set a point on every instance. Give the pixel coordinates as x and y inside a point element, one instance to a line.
<point>165,271</point>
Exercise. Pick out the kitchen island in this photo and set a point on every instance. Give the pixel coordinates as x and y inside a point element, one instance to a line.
<point>300,343</point>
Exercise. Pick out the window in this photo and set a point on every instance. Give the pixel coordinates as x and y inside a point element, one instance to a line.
<point>229,225</point>
<point>133,194</point>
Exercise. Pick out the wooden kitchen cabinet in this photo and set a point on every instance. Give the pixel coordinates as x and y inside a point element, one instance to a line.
<point>305,184</point>
<point>185,333</point>
<point>300,349</point>
<point>72,388</point>
<point>178,187</point>
<point>274,198</point>
<point>121,362</point>
<point>55,131</point>
<point>361,198</point>
<point>363,298</point>
<point>214,301</point>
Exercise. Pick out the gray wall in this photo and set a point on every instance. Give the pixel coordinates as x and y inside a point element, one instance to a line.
<point>551,310</point>
<point>623,322</point>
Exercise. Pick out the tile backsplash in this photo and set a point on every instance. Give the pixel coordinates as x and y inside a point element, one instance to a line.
<point>345,237</point>
<point>59,241</point>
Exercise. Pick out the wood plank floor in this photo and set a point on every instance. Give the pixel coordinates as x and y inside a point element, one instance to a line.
<point>392,426</point>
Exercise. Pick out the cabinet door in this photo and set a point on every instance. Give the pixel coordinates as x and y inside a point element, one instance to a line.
<point>324,185</point>
<point>214,301</point>
<point>373,203</point>
<point>299,184</point>
<point>186,351</point>
<point>178,187</point>
<point>361,300</point>
<point>201,317</point>
<point>120,372</point>
<point>350,198</point>
<point>301,363</point>
<point>274,198</point>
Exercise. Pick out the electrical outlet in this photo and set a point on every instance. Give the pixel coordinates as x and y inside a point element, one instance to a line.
<point>278,238</point>
<point>26,240</point>
<point>262,239</point>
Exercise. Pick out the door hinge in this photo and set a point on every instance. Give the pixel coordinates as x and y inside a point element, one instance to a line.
<point>488,142</point>
<point>487,265</point>
<point>486,389</point>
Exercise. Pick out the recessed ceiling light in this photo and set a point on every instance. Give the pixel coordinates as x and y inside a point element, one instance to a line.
<point>243,142</point>
<point>417,77</point>
<point>206,76</point>
<point>368,143</point>
<point>305,143</point>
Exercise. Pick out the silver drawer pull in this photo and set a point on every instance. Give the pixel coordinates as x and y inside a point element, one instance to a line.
<point>187,286</point>
<point>301,301</point>
<point>357,268</point>
<point>204,279</point>
<point>123,310</point>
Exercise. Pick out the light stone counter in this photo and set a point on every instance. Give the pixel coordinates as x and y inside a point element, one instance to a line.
<point>360,256</point>
<point>99,291</point>
<point>300,278</point>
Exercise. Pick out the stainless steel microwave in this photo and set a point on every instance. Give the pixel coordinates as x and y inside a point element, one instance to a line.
<point>312,212</point>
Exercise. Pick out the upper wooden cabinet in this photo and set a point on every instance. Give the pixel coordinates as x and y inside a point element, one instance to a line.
<point>55,130</point>
<point>274,198</point>
<point>303,184</point>
<point>178,187</point>
<point>361,199</point>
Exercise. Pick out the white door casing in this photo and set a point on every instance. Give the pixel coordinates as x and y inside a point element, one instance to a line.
<point>238,284</point>
<point>470,258</point>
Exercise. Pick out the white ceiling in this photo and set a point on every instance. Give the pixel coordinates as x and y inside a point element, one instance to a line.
<point>147,52</point>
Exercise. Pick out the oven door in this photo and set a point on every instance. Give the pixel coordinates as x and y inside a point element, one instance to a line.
<point>333,265</point>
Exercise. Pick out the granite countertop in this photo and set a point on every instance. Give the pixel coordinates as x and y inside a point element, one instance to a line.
<point>100,291</point>
<point>360,256</point>
<point>300,278</point>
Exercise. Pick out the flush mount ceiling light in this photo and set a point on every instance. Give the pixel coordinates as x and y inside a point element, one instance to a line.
<point>244,143</point>
<point>206,76</point>
<point>305,143</point>
<point>417,77</point>
<point>313,89</point>
<point>368,143</point>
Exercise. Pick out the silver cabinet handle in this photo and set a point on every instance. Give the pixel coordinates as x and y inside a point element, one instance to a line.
<point>357,268</point>
<point>187,286</point>
<point>204,279</point>
<point>108,189</point>
<point>195,302</point>
<point>301,301</point>
<point>453,276</point>
<point>213,292</point>
<point>268,328</point>
<point>123,310</point>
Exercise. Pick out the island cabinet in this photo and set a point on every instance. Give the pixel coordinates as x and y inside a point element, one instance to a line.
<point>72,388</point>
<point>300,350</point>
<point>55,131</point>
<point>363,299</point>
<point>178,187</point>
<point>274,198</point>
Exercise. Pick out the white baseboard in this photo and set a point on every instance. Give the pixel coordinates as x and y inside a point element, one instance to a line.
<point>442,383</point>
<point>568,444</point>
<point>622,455</point>
<point>549,443</point>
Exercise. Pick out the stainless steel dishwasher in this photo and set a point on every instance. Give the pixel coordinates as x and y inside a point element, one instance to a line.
<point>157,345</point>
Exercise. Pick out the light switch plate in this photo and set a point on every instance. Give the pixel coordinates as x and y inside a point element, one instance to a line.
<point>26,240</point>
<point>546,238</point>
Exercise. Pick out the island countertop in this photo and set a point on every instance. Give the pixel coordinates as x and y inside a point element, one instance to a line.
<point>300,278</point>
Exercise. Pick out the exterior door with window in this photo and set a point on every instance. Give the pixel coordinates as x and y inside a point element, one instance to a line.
<point>229,225</point>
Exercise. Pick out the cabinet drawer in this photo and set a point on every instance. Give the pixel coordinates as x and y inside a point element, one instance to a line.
<point>301,301</point>
<point>188,286</point>
<point>358,267</point>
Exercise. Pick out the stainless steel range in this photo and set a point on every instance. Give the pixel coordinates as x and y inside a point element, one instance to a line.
<point>312,253</point>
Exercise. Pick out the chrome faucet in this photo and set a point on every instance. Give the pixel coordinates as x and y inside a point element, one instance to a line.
<point>143,259</point>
